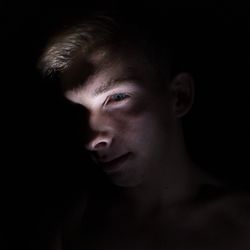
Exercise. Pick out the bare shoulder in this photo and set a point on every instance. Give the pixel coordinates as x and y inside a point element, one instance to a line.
<point>223,220</point>
<point>233,205</point>
<point>229,214</point>
<point>236,205</point>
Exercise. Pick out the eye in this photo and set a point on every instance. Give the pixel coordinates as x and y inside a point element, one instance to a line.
<point>116,98</point>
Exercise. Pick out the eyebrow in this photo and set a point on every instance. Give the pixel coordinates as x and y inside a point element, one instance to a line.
<point>106,86</point>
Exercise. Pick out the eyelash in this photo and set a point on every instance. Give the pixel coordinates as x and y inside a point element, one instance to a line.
<point>120,96</point>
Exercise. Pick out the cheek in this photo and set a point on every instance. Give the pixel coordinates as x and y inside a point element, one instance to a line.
<point>140,128</point>
<point>138,123</point>
<point>129,121</point>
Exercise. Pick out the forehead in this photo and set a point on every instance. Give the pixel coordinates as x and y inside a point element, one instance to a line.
<point>106,66</point>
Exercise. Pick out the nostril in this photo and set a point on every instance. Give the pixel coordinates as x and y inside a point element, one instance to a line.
<point>100,145</point>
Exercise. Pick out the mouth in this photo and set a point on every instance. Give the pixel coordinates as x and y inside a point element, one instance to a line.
<point>115,164</point>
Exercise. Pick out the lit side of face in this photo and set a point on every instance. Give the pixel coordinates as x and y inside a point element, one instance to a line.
<point>130,126</point>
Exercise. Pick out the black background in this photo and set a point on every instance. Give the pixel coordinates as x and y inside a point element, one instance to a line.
<point>41,164</point>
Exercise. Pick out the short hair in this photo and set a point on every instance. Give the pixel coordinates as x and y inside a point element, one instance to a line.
<point>109,30</point>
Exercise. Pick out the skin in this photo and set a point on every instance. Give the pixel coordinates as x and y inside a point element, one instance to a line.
<point>117,115</point>
<point>129,120</point>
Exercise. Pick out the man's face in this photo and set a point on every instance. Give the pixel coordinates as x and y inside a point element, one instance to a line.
<point>131,126</point>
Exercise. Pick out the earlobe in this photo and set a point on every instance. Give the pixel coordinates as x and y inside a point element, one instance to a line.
<point>182,88</point>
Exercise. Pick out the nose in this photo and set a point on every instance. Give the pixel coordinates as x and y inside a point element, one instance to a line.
<point>100,134</point>
<point>99,142</point>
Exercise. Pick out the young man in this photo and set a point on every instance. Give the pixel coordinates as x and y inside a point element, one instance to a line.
<point>121,74</point>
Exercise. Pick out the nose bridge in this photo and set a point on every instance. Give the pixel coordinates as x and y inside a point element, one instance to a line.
<point>100,132</point>
<point>99,122</point>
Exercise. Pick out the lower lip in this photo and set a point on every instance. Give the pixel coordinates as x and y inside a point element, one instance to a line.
<point>116,164</point>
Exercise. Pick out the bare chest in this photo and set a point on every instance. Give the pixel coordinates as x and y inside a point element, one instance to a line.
<point>172,235</point>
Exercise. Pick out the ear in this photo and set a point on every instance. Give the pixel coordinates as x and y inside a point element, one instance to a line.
<point>182,91</point>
